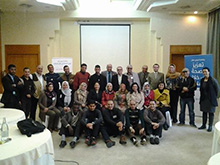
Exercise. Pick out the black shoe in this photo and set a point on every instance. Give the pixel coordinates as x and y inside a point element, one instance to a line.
<point>180,124</point>
<point>134,141</point>
<point>175,120</point>
<point>165,126</point>
<point>209,129</point>
<point>93,141</point>
<point>122,140</point>
<point>193,125</point>
<point>72,144</point>
<point>62,144</point>
<point>110,143</point>
<point>88,141</point>
<point>202,127</point>
<point>156,140</point>
<point>143,141</point>
<point>152,140</point>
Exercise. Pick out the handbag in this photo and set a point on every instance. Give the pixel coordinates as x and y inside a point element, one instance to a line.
<point>29,127</point>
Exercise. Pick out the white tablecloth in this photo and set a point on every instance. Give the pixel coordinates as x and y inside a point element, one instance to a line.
<point>12,115</point>
<point>216,139</point>
<point>214,160</point>
<point>23,150</point>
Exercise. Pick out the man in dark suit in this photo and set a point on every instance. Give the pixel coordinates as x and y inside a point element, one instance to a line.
<point>120,78</point>
<point>97,77</point>
<point>11,84</point>
<point>108,73</point>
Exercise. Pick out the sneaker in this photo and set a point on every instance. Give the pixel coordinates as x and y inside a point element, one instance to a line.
<point>72,144</point>
<point>156,140</point>
<point>165,126</point>
<point>87,141</point>
<point>152,140</point>
<point>202,127</point>
<point>110,143</point>
<point>122,140</point>
<point>209,129</point>
<point>62,144</point>
<point>134,141</point>
<point>143,141</point>
<point>93,141</point>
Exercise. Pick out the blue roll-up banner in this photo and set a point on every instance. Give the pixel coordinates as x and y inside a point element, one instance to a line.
<point>195,63</point>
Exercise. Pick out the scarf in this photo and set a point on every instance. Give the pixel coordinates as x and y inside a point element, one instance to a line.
<point>68,93</point>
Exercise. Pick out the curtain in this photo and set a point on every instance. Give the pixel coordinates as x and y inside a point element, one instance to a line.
<point>213,41</point>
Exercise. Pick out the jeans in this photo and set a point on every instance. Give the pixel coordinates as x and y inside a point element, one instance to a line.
<point>190,103</point>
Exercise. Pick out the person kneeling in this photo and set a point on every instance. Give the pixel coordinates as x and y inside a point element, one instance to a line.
<point>71,126</point>
<point>154,121</point>
<point>91,120</point>
<point>133,116</point>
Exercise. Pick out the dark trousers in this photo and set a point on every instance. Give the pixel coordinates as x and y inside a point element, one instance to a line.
<point>34,102</point>
<point>76,130</point>
<point>137,128</point>
<point>151,131</point>
<point>92,132</point>
<point>174,96</point>
<point>113,130</point>
<point>104,133</point>
<point>54,115</point>
<point>14,103</point>
<point>190,103</point>
<point>204,118</point>
<point>163,110</point>
<point>26,106</point>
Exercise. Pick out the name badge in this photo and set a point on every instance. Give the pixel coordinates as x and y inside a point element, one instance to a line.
<point>115,116</point>
<point>53,98</point>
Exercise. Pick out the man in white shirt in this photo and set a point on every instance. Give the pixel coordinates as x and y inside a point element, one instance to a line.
<point>132,76</point>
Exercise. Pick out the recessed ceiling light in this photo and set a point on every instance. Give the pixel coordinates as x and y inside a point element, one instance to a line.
<point>195,12</point>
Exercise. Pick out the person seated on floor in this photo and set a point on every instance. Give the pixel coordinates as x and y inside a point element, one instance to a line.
<point>47,104</point>
<point>64,98</point>
<point>91,120</point>
<point>136,95</point>
<point>120,99</point>
<point>154,121</point>
<point>135,123</point>
<point>96,95</point>
<point>148,94</point>
<point>71,126</point>
<point>108,94</point>
<point>113,121</point>
<point>80,96</point>
<point>162,98</point>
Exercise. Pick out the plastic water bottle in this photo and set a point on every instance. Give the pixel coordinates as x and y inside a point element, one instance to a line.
<point>4,130</point>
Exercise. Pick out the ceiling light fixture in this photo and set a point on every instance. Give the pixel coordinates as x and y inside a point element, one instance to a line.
<point>52,2</point>
<point>195,12</point>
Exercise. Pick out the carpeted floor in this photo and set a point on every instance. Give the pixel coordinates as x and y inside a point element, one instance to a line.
<point>180,145</point>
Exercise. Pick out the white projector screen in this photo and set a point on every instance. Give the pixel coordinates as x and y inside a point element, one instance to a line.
<point>105,44</point>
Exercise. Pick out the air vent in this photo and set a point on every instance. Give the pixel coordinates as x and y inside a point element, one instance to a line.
<point>185,7</point>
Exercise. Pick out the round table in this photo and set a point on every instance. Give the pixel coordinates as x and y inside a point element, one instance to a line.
<point>214,160</point>
<point>216,139</point>
<point>23,150</point>
<point>12,115</point>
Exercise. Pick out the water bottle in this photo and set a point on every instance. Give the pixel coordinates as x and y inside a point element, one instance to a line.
<point>4,130</point>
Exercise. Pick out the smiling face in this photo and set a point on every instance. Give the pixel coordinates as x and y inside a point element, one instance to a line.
<point>39,69</point>
<point>109,87</point>
<point>109,67</point>
<point>65,85</point>
<point>27,72</point>
<point>172,69</point>
<point>132,105</point>
<point>155,68</point>
<point>50,88</point>
<point>110,105</point>
<point>135,88</point>
<point>161,86</point>
<point>152,105</point>
<point>92,107</point>
<point>83,86</point>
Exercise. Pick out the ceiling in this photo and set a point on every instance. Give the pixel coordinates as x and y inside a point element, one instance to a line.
<point>168,6</point>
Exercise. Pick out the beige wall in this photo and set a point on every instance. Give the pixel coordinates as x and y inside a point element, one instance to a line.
<point>150,38</point>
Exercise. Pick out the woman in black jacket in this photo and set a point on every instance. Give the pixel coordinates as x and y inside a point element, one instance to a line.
<point>96,95</point>
<point>64,98</point>
<point>209,90</point>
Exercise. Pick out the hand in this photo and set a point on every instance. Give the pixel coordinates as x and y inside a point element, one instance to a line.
<point>119,125</point>
<point>28,96</point>
<point>89,125</point>
<point>166,105</point>
<point>155,125</point>
<point>68,109</point>
<point>132,130</point>
<point>45,110</point>
<point>19,102</point>
<point>65,109</point>
<point>185,89</point>
<point>70,130</point>
<point>141,132</point>
<point>13,85</point>
<point>19,83</point>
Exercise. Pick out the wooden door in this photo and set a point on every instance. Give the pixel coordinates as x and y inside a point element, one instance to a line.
<point>22,56</point>
<point>177,53</point>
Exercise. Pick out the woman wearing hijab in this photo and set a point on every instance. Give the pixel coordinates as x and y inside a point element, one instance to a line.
<point>47,102</point>
<point>209,90</point>
<point>108,94</point>
<point>120,99</point>
<point>136,95</point>
<point>162,98</point>
<point>148,94</point>
<point>80,96</point>
<point>96,95</point>
<point>171,81</point>
<point>64,98</point>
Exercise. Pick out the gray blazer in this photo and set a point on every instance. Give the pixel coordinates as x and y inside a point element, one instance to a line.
<point>104,73</point>
<point>154,81</point>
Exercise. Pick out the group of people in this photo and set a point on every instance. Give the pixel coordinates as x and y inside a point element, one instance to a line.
<point>108,102</point>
